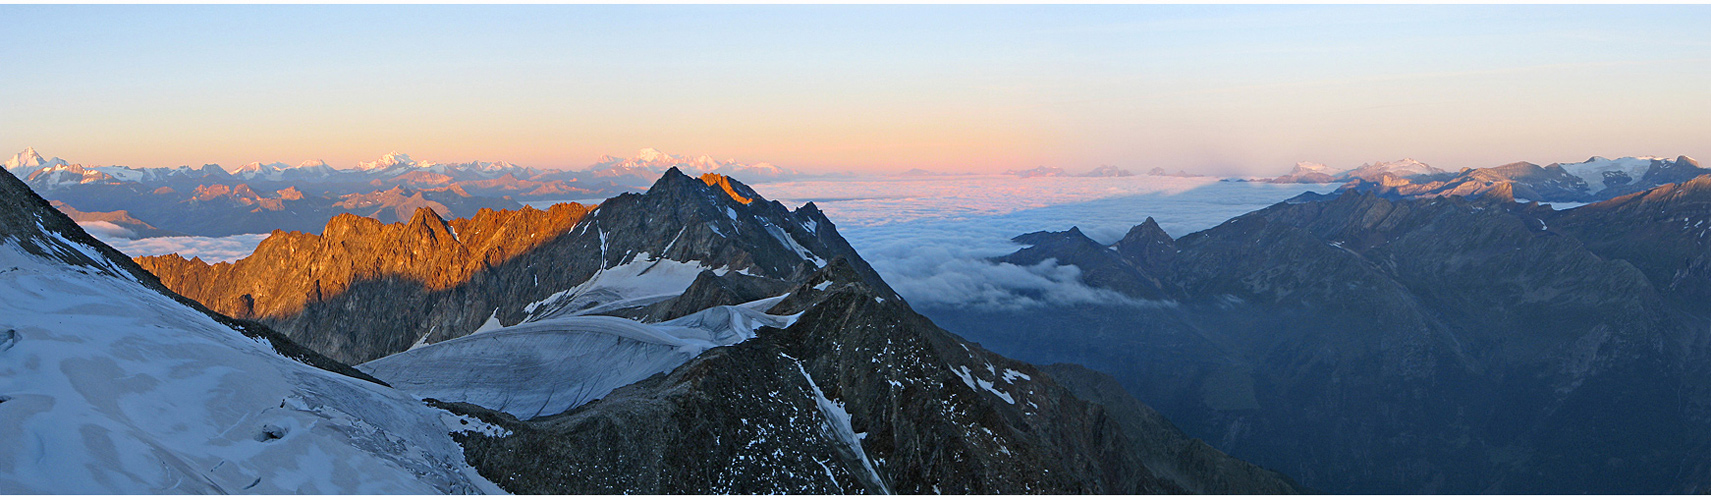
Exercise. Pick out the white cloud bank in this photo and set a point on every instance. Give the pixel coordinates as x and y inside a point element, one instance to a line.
<point>210,249</point>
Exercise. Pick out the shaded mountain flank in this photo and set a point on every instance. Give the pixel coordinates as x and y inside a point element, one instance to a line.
<point>858,394</point>
<point>1446,345</point>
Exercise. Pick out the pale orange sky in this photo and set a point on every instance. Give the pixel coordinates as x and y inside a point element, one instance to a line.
<point>1213,89</point>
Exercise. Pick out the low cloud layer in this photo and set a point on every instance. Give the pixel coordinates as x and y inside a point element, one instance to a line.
<point>105,231</point>
<point>210,249</point>
<point>931,238</point>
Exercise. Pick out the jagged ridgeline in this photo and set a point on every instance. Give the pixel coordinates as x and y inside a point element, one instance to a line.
<point>1367,344</point>
<point>698,339</point>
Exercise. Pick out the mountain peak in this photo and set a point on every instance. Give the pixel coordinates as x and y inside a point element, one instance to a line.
<point>1305,167</point>
<point>1073,234</point>
<point>390,160</point>
<point>653,161</point>
<point>1147,246</point>
<point>28,161</point>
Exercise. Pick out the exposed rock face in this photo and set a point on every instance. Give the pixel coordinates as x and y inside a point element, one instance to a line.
<point>1453,345</point>
<point>291,271</point>
<point>860,395</point>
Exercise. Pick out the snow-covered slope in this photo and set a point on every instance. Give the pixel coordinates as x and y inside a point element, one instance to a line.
<point>108,386</point>
<point>546,367</point>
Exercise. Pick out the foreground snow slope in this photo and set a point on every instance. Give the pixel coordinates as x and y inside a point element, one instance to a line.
<point>107,386</point>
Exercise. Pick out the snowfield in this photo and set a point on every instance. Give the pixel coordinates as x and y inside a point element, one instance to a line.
<point>108,387</point>
<point>548,366</point>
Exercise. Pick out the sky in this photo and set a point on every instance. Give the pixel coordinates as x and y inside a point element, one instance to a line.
<point>1225,90</point>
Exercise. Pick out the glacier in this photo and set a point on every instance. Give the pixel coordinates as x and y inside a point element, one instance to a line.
<point>548,366</point>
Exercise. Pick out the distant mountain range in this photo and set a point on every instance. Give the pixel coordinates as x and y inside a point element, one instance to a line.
<point>260,197</point>
<point>1595,179</point>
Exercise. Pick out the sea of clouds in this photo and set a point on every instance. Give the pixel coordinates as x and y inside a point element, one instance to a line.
<point>930,237</point>
<point>210,249</point>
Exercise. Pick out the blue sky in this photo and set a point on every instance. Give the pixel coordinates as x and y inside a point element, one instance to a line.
<point>1223,89</point>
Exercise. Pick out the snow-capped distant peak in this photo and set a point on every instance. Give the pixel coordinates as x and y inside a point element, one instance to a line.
<point>391,160</point>
<point>256,166</point>
<point>317,164</point>
<point>656,162</point>
<point>1308,167</point>
<point>28,161</point>
<point>651,155</point>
